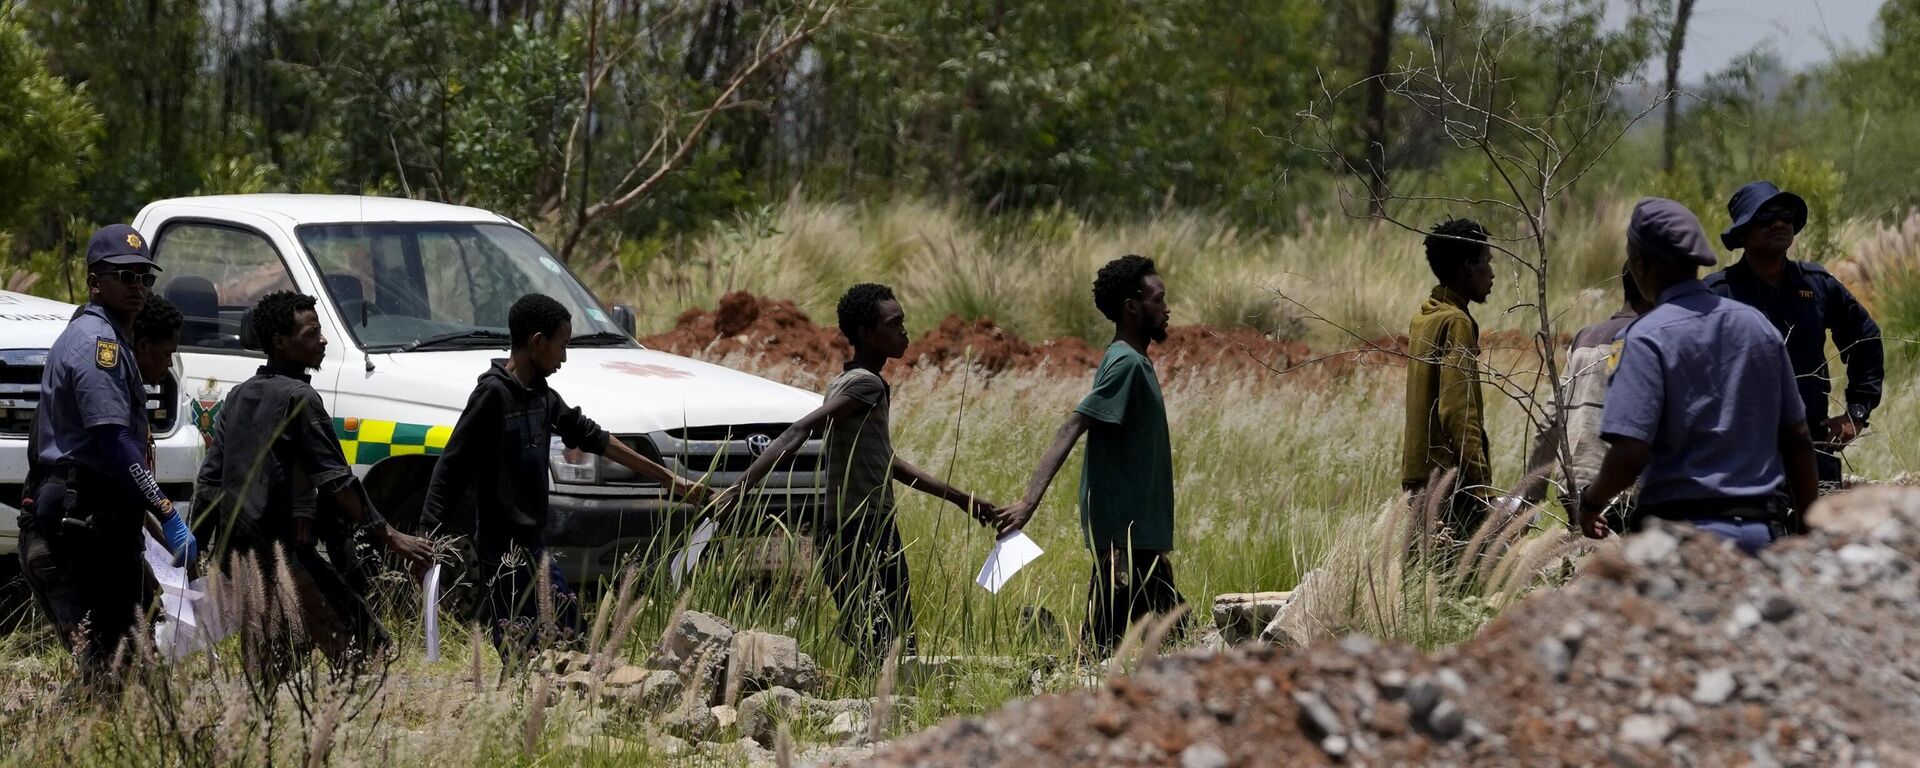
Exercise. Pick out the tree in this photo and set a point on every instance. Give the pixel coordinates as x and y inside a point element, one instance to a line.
<point>48,133</point>
<point>1676,41</point>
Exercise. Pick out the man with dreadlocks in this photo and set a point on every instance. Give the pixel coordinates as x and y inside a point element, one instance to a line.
<point>1446,427</point>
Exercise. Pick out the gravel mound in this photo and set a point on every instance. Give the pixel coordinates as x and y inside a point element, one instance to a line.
<point>1671,648</point>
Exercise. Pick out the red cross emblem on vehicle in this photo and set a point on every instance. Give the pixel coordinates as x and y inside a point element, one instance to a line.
<point>649,370</point>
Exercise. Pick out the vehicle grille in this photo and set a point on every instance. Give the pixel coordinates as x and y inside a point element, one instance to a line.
<point>20,395</point>
<point>719,454</point>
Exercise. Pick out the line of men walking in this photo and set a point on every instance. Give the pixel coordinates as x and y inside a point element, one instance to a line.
<point>1712,407</point>
<point>275,487</point>
<point>1710,395</point>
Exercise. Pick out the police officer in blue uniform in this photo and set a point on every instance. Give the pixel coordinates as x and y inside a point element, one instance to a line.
<point>1702,405</point>
<point>1805,303</point>
<point>80,526</point>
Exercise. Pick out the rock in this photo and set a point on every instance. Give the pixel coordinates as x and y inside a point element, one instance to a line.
<point>1294,624</point>
<point>1423,695</point>
<point>669,746</point>
<point>658,692</point>
<point>1875,512</point>
<point>577,682</point>
<point>761,713</point>
<point>757,661</point>
<point>697,638</point>
<point>1646,730</point>
<point>1651,547</point>
<point>1203,755</point>
<point>692,720</point>
<point>847,725</point>
<point>1335,746</point>
<point>1240,616</point>
<point>1713,687</point>
<point>1777,608</point>
<point>1317,713</point>
<point>1555,656</point>
<point>562,662</point>
<point>1446,720</point>
<point>625,674</point>
<point>725,717</point>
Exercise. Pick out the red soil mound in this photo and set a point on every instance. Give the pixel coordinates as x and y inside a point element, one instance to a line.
<point>995,349</point>
<point>772,332</point>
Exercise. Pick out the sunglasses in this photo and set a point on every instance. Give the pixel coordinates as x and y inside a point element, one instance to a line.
<point>129,277</point>
<point>1772,215</point>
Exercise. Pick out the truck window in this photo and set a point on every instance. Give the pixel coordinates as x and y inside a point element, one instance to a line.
<point>396,282</point>
<point>213,274</point>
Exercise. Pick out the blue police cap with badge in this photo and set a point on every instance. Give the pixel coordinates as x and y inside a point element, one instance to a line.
<point>1665,230</point>
<point>120,246</point>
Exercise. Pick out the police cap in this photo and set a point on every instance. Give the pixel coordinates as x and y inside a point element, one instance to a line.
<point>1666,231</point>
<point>119,245</point>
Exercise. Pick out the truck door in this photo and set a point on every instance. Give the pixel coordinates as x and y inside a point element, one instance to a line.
<point>214,272</point>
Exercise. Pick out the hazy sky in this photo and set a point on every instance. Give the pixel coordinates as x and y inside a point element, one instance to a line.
<point>1800,30</point>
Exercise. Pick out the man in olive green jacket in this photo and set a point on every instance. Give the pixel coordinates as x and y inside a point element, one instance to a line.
<point>1446,427</point>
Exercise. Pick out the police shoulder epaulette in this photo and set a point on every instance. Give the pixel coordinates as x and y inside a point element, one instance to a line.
<point>1814,268</point>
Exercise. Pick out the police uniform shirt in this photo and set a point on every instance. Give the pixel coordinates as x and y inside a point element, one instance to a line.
<point>1704,380</point>
<point>1803,307</point>
<point>90,380</point>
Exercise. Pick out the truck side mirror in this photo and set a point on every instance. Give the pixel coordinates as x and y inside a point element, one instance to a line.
<point>623,317</point>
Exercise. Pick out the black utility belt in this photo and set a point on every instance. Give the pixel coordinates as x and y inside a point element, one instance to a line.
<point>1761,509</point>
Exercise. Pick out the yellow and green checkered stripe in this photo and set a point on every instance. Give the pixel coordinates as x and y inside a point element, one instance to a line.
<point>368,441</point>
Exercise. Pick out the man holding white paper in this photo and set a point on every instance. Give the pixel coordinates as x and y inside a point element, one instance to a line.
<point>1126,490</point>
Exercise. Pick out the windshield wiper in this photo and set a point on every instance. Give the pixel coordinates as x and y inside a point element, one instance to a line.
<point>458,335</point>
<point>600,338</point>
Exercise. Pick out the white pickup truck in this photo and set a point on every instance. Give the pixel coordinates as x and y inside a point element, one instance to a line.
<point>413,299</point>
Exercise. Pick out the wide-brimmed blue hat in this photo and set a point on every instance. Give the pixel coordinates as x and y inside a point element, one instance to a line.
<point>1749,200</point>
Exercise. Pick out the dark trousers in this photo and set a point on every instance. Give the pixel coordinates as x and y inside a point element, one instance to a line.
<point>333,612</point>
<point>92,593</point>
<point>1462,511</point>
<point>866,572</point>
<point>1126,585</point>
<point>511,611</point>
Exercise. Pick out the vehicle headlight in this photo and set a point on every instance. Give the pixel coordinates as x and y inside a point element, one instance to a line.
<point>572,465</point>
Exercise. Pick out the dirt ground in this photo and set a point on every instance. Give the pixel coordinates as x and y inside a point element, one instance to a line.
<point>774,331</point>
<point>1669,649</point>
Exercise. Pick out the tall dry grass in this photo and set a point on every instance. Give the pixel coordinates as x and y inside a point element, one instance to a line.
<point>1275,477</point>
<point>1032,272</point>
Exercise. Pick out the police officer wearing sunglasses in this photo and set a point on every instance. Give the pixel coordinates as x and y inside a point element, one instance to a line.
<point>89,486</point>
<point>1805,303</point>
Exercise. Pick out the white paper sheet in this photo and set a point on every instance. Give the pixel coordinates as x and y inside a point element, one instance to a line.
<point>683,561</point>
<point>430,599</point>
<point>1010,553</point>
<point>160,561</point>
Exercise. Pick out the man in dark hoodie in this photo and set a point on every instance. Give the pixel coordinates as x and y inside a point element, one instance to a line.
<point>501,441</point>
<point>275,480</point>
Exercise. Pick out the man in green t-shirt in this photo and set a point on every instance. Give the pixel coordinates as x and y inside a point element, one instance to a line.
<point>1126,490</point>
<point>861,556</point>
